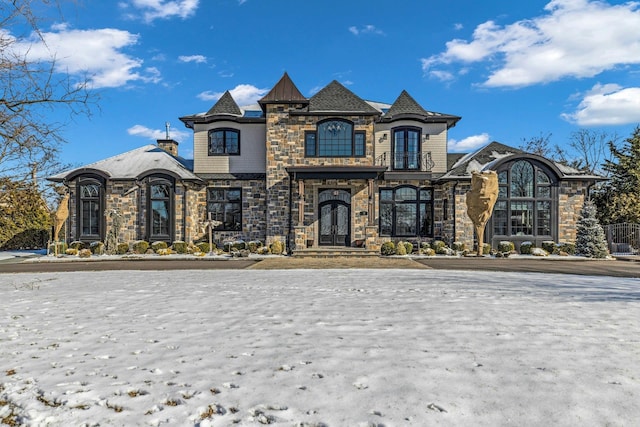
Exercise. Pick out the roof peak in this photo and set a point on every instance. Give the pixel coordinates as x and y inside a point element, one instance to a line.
<point>225,105</point>
<point>336,97</point>
<point>285,91</point>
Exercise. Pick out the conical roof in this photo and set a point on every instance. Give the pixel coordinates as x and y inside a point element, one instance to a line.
<point>284,92</point>
<point>336,98</point>
<point>225,105</point>
<point>405,104</point>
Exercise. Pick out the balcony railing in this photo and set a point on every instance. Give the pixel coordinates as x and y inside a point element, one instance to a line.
<point>406,161</point>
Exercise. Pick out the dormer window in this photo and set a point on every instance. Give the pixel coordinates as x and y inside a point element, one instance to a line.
<point>224,142</point>
<point>335,138</point>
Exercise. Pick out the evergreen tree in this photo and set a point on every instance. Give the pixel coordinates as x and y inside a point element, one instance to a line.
<point>590,239</point>
<point>619,199</point>
<point>25,221</point>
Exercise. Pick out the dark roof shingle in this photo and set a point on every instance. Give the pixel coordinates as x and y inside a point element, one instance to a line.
<point>225,105</point>
<point>335,97</point>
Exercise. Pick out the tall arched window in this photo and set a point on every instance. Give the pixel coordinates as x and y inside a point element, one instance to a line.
<point>526,202</point>
<point>160,199</point>
<point>90,209</point>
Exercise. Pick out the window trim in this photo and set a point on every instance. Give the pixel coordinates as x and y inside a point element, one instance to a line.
<point>90,180</point>
<point>417,202</point>
<point>226,200</point>
<point>225,130</point>
<point>161,180</point>
<point>406,130</point>
<point>316,146</point>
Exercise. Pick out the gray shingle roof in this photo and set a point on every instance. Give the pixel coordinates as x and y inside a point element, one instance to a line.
<point>225,105</point>
<point>405,104</point>
<point>135,164</point>
<point>336,98</point>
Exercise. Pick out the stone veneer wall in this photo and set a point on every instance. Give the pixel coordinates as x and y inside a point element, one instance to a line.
<point>126,205</point>
<point>570,201</point>
<point>463,225</point>
<point>285,148</point>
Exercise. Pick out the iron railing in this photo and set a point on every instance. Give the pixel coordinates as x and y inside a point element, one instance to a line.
<point>406,161</point>
<point>623,239</point>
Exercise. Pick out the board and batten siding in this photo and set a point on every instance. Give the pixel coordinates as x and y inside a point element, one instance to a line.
<point>252,158</point>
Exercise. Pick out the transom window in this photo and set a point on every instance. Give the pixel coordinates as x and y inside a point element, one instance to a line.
<point>224,142</point>
<point>225,206</point>
<point>406,212</point>
<point>334,138</point>
<point>524,206</point>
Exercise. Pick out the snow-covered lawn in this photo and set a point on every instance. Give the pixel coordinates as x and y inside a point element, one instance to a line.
<point>319,347</point>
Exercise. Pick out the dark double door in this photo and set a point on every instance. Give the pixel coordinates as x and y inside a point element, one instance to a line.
<point>335,215</point>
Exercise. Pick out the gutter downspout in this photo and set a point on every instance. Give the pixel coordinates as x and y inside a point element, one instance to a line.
<point>453,208</point>
<point>289,249</point>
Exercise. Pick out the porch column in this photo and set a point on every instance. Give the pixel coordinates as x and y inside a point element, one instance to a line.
<point>301,202</point>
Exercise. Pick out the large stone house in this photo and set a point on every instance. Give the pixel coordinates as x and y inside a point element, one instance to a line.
<point>329,170</point>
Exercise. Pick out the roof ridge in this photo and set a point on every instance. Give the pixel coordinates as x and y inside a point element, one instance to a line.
<point>336,97</point>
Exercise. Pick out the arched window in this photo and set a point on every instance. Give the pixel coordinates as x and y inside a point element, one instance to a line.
<point>335,138</point>
<point>90,209</point>
<point>224,142</point>
<point>526,201</point>
<point>160,218</point>
<point>406,212</point>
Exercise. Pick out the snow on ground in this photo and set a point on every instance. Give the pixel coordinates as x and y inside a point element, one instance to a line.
<point>318,348</point>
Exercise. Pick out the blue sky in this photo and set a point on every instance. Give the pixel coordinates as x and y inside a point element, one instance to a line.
<point>512,70</point>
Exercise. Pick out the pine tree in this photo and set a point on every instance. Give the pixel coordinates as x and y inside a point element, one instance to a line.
<point>590,239</point>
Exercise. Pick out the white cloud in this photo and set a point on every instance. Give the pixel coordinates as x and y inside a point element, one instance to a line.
<point>366,29</point>
<point>198,59</point>
<point>468,144</point>
<point>574,38</point>
<point>242,94</point>
<point>161,9</point>
<point>155,134</point>
<point>607,105</point>
<point>96,54</point>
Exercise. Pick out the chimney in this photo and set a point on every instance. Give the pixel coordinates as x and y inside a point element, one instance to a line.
<point>169,145</point>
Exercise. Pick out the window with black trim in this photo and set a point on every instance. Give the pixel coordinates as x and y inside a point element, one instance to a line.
<point>91,209</point>
<point>160,210</point>
<point>525,201</point>
<point>334,138</point>
<point>406,149</point>
<point>406,212</point>
<point>224,142</point>
<point>225,206</point>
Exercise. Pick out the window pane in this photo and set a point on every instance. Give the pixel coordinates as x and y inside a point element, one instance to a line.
<point>425,194</point>
<point>233,195</point>
<point>386,219</point>
<point>502,177</point>
<point>160,217</point>
<point>335,138</point>
<point>232,142</point>
<point>386,194</point>
<point>225,206</point>
<point>544,192</point>
<point>90,217</point>
<point>521,218</point>
<point>406,194</point>
<point>500,218</point>
<point>543,218</point>
<point>89,191</point>
<point>425,221</point>
<point>216,142</point>
<point>542,178</point>
<point>310,144</point>
<point>359,144</point>
<point>522,179</point>
<point>502,192</point>
<point>160,191</point>
<point>406,219</point>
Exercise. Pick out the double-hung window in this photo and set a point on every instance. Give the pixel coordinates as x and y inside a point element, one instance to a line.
<point>224,142</point>
<point>225,206</point>
<point>335,138</point>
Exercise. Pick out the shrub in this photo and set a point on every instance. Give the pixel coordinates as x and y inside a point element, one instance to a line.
<point>156,246</point>
<point>61,246</point>
<point>277,247</point>
<point>388,248</point>
<point>505,246</point>
<point>97,248</point>
<point>401,249</point>
<point>539,252</point>
<point>567,248</point>
<point>77,245</point>
<point>526,248</point>
<point>486,248</point>
<point>164,251</point>
<point>122,248</point>
<point>438,244</point>
<point>408,246</point>
<point>428,252</point>
<point>180,247</point>
<point>140,247</point>
<point>71,251</point>
<point>204,247</point>
<point>458,246</point>
<point>548,246</point>
<point>263,250</point>
<point>84,253</point>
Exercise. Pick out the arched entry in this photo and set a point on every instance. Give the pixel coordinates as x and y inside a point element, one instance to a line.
<point>334,207</point>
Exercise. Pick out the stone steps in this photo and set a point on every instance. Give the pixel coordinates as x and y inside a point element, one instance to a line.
<point>335,252</point>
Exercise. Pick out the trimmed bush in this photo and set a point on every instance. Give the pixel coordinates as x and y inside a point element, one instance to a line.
<point>140,247</point>
<point>84,253</point>
<point>71,251</point>
<point>204,247</point>
<point>97,248</point>
<point>548,246</point>
<point>438,245</point>
<point>408,246</point>
<point>567,248</point>
<point>526,248</point>
<point>505,246</point>
<point>486,248</point>
<point>458,246</point>
<point>401,249</point>
<point>164,251</point>
<point>156,246</point>
<point>428,252</point>
<point>122,248</point>
<point>388,248</point>
<point>539,252</point>
<point>277,247</point>
<point>180,247</point>
<point>77,245</point>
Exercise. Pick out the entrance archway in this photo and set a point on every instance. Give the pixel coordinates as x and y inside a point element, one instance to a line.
<point>334,211</point>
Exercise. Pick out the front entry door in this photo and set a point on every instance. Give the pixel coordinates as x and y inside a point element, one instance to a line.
<point>335,214</point>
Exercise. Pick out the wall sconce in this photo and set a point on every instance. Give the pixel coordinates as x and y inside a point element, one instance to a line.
<point>383,138</point>
<point>425,137</point>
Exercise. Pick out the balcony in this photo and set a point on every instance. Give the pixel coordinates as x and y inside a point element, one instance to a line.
<point>406,161</point>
